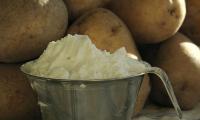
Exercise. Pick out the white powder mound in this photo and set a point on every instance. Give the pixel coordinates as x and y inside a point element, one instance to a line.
<point>76,57</point>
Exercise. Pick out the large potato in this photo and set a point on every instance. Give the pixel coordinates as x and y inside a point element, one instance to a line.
<point>109,33</point>
<point>191,25</point>
<point>17,100</point>
<point>151,21</point>
<point>180,58</point>
<point>27,26</point>
<point>105,29</point>
<point>78,7</point>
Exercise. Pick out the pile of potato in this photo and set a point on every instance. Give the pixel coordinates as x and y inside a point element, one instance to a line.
<point>162,32</point>
<point>26,27</point>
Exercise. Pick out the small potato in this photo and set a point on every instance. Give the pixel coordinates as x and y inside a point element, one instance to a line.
<point>78,7</point>
<point>27,26</point>
<point>191,25</point>
<point>150,21</point>
<point>109,33</point>
<point>180,58</point>
<point>17,100</point>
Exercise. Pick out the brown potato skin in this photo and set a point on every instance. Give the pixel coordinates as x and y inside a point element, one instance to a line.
<point>79,7</point>
<point>191,25</point>
<point>27,26</point>
<point>109,33</point>
<point>150,21</point>
<point>105,29</point>
<point>17,100</point>
<point>180,58</point>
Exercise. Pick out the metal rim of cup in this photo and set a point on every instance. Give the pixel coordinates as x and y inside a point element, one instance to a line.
<point>88,80</point>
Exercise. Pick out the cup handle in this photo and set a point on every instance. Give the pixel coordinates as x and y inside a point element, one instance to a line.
<point>165,80</point>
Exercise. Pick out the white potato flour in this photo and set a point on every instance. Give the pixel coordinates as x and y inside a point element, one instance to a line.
<point>76,57</point>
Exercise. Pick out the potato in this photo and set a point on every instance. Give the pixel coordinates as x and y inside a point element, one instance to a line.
<point>180,58</point>
<point>109,33</point>
<point>17,100</point>
<point>27,26</point>
<point>150,21</point>
<point>191,24</point>
<point>78,7</point>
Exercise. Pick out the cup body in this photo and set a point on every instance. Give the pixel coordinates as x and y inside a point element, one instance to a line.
<point>86,100</point>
